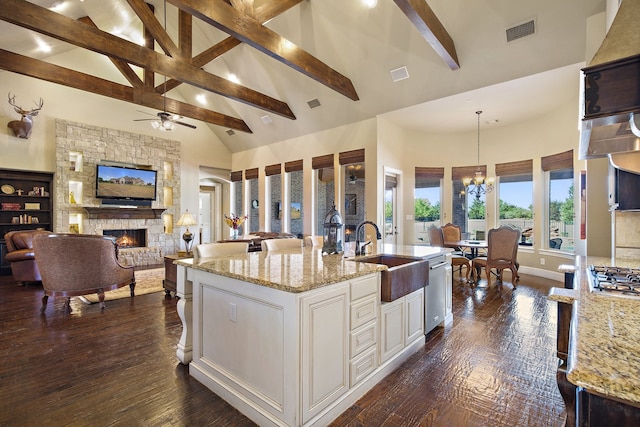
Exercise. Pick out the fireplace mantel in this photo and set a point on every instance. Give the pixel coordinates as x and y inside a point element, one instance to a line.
<point>99,212</point>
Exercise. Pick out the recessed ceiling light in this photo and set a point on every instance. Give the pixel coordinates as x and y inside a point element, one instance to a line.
<point>266,119</point>
<point>232,77</point>
<point>42,45</point>
<point>201,98</point>
<point>370,3</point>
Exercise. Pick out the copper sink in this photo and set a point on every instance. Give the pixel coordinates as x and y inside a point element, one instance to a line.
<point>403,276</point>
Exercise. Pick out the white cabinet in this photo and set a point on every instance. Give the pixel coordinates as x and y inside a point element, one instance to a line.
<point>391,328</point>
<point>364,328</point>
<point>414,310</point>
<point>325,348</point>
<point>448,295</point>
<point>401,323</point>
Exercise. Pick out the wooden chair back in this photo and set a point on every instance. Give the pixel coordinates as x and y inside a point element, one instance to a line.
<point>451,233</point>
<point>279,244</point>
<point>435,236</point>
<point>503,245</point>
<point>208,250</point>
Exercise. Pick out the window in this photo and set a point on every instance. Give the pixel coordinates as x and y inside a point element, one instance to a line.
<point>559,194</point>
<point>515,192</point>
<point>468,210</point>
<point>296,195</point>
<point>353,212</point>
<point>274,213</point>
<point>426,201</point>
<point>325,188</point>
<point>236,207</point>
<point>251,175</point>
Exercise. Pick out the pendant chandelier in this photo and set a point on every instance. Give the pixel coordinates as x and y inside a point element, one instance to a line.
<point>479,184</point>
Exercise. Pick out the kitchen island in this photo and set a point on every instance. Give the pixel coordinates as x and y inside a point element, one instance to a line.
<point>603,363</point>
<point>293,337</point>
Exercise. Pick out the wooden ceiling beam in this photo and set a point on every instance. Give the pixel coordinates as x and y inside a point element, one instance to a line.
<point>428,24</point>
<point>55,74</point>
<point>250,31</point>
<point>151,24</point>
<point>122,66</point>
<point>185,34</point>
<point>43,21</point>
<point>263,13</point>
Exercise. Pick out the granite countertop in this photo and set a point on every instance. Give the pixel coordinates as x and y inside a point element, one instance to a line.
<point>299,270</point>
<point>604,347</point>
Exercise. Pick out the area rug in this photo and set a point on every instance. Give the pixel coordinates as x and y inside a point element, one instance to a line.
<point>147,282</point>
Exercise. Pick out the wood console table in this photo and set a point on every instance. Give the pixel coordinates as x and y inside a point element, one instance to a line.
<point>170,272</point>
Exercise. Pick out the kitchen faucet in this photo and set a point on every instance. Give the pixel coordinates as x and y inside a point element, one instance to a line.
<point>360,250</point>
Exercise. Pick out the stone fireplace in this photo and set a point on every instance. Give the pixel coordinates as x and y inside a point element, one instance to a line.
<point>79,147</point>
<point>128,238</point>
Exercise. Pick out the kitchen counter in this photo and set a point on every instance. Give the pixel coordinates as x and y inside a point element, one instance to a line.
<point>604,346</point>
<point>293,337</point>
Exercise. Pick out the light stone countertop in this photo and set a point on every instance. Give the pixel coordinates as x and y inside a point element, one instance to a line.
<point>604,347</point>
<point>299,270</point>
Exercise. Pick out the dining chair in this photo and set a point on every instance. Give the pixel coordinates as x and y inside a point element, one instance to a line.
<point>314,241</point>
<point>437,239</point>
<point>279,244</point>
<point>208,250</point>
<point>502,253</point>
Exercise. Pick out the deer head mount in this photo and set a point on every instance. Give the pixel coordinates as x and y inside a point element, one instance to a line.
<point>22,128</point>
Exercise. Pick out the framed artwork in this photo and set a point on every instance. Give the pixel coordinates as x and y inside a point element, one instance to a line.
<point>350,201</point>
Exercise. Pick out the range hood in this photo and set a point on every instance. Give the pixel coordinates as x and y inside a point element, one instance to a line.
<point>611,113</point>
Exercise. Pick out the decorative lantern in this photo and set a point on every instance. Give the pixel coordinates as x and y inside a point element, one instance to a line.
<point>333,232</point>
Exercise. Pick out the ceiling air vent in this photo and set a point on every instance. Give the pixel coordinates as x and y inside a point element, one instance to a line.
<point>313,103</point>
<point>266,119</point>
<point>520,31</point>
<point>399,74</point>
<point>230,132</point>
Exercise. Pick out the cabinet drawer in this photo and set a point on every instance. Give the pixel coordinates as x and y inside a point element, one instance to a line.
<point>362,339</point>
<point>361,288</point>
<point>362,366</point>
<point>363,311</point>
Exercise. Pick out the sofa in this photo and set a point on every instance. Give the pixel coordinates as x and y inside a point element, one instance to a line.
<point>21,256</point>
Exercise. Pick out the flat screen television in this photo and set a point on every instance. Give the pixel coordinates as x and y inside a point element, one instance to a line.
<point>125,183</point>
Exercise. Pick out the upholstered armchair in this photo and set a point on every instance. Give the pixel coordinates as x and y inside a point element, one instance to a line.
<point>436,237</point>
<point>20,254</point>
<point>79,264</point>
<point>502,253</point>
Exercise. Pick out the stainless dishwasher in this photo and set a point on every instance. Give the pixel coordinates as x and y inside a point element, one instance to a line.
<point>435,292</point>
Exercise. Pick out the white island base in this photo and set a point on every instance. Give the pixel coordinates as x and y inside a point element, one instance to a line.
<point>294,358</point>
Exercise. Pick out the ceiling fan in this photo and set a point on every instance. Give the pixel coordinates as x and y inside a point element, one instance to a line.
<point>165,121</point>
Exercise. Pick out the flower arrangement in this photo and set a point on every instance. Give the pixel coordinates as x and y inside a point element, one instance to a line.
<point>234,221</point>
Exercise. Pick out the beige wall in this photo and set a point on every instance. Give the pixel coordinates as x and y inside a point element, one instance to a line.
<point>343,138</point>
<point>200,147</point>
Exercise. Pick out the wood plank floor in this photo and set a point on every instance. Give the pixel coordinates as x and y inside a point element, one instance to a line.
<point>495,366</point>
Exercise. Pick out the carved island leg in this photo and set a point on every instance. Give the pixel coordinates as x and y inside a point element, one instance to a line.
<point>184,291</point>
<point>101,299</point>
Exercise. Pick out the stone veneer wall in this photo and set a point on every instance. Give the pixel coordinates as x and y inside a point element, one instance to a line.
<point>96,144</point>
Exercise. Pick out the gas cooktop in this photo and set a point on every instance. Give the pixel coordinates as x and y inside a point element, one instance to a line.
<point>615,280</point>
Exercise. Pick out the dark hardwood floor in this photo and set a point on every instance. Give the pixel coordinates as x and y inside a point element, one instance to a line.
<point>495,366</point>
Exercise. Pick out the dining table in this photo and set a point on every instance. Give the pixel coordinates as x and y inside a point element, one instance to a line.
<point>472,245</point>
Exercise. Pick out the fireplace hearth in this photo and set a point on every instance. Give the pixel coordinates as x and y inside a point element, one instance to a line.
<point>128,238</point>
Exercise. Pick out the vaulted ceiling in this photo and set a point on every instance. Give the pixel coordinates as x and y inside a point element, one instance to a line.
<point>289,55</point>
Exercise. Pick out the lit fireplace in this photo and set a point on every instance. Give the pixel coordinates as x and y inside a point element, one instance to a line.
<point>131,238</point>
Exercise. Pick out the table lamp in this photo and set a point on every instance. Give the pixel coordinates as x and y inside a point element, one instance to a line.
<point>186,220</point>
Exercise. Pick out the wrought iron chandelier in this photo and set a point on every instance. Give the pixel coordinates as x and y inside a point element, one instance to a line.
<point>479,184</point>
